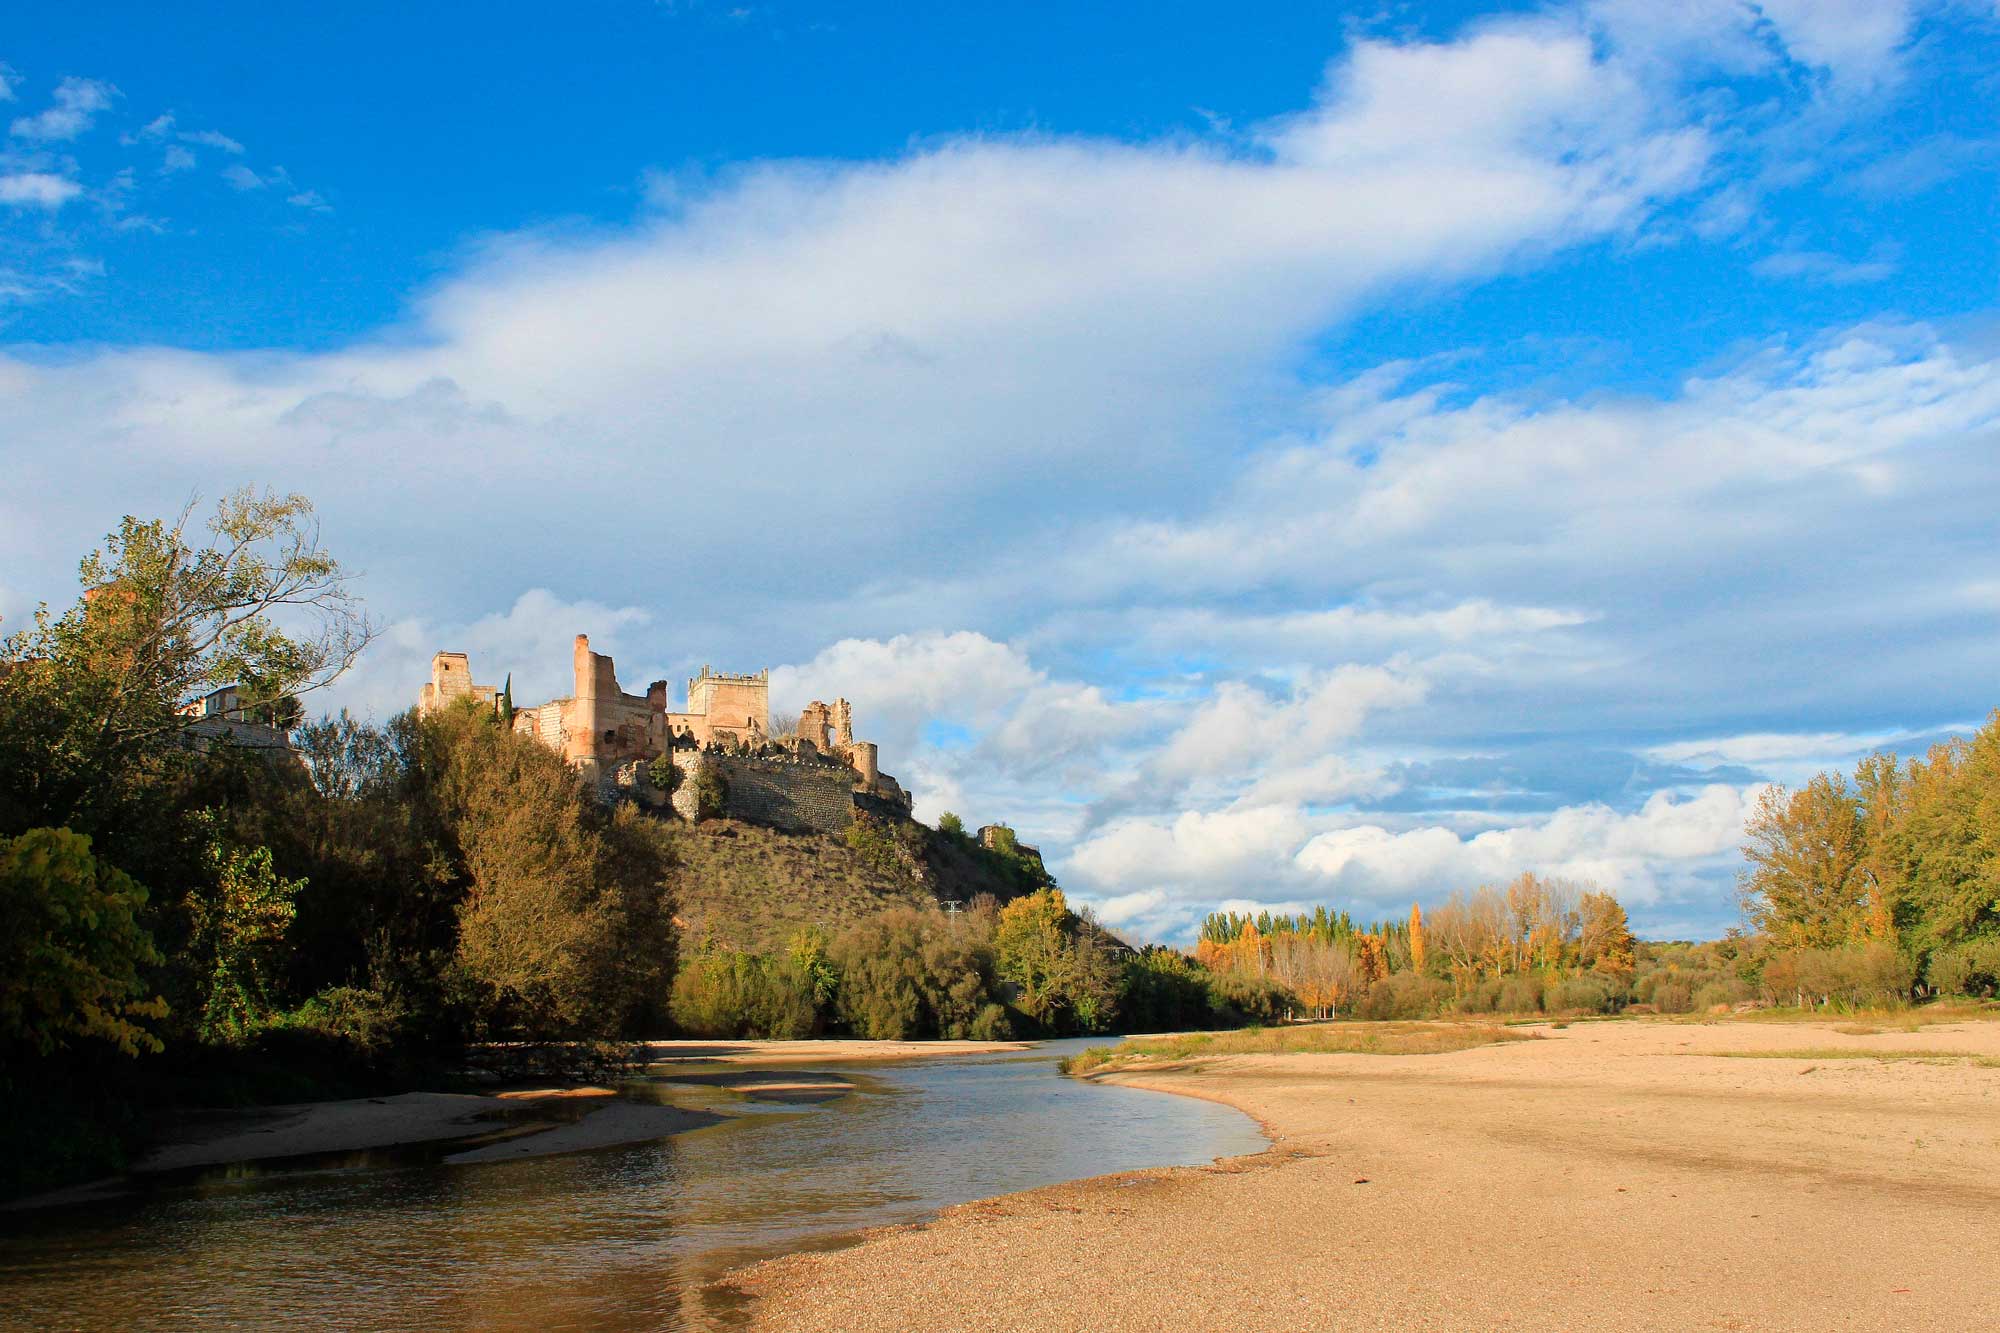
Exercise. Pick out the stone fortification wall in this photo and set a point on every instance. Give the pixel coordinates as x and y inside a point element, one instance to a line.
<point>802,796</point>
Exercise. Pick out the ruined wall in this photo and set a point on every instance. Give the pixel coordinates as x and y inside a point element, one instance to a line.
<point>783,793</point>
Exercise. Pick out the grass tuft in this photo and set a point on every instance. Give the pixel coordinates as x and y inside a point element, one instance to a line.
<point>1312,1039</point>
<point>1881,1057</point>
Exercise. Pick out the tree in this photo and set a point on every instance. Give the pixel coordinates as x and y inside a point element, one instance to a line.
<point>72,952</point>
<point>1805,885</point>
<point>89,700</point>
<point>240,923</point>
<point>1604,940</point>
<point>1417,941</point>
<point>1032,950</point>
<point>565,923</point>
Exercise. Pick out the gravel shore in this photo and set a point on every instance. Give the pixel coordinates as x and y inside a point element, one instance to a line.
<point>1613,1176</point>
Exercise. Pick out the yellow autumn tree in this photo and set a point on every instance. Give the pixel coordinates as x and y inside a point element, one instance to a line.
<point>1416,938</point>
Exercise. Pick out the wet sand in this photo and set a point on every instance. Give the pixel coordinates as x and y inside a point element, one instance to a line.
<point>1614,1176</point>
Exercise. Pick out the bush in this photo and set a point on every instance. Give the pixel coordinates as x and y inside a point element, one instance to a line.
<point>906,973</point>
<point>1673,996</point>
<point>1972,968</point>
<point>1588,992</point>
<point>1404,995</point>
<point>1731,991</point>
<point>992,1024</point>
<point>1519,995</point>
<point>1844,976</point>
<point>711,793</point>
<point>1163,990</point>
<point>721,993</point>
<point>1237,1001</point>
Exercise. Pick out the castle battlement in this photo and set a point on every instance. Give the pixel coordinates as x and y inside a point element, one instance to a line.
<point>600,728</point>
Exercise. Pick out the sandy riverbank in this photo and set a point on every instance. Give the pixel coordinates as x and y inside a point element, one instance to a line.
<point>1614,1176</point>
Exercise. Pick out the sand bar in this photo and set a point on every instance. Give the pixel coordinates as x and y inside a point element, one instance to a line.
<point>1614,1176</point>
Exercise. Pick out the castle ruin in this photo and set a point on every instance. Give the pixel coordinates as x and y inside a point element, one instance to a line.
<point>611,737</point>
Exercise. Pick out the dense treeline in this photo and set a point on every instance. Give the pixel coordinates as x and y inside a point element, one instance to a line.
<point>1029,968</point>
<point>1890,881</point>
<point>185,918</point>
<point>1538,944</point>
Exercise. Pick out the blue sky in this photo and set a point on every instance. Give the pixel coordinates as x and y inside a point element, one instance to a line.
<point>1316,453</point>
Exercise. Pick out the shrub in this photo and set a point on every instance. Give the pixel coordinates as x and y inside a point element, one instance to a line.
<point>992,1024</point>
<point>1589,992</point>
<point>1673,996</point>
<point>711,793</point>
<point>1844,976</point>
<point>1404,995</point>
<point>1972,968</point>
<point>723,993</point>
<point>1238,1001</point>
<point>1730,991</point>
<point>1519,995</point>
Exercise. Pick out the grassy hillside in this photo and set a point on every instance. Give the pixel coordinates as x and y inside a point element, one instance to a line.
<point>752,887</point>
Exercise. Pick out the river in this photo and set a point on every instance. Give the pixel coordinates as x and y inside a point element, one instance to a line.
<point>623,1238</point>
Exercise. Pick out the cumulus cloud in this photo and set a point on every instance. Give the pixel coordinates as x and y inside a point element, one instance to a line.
<point>1160,874</point>
<point>37,189</point>
<point>76,104</point>
<point>241,177</point>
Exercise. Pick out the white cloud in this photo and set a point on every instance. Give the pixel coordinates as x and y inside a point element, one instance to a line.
<point>212,139</point>
<point>175,159</point>
<point>310,200</point>
<point>37,189</point>
<point>241,177</point>
<point>77,103</point>
<point>7,77</point>
<point>532,641</point>
<point>1638,855</point>
<point>1859,43</point>
<point>1819,266</point>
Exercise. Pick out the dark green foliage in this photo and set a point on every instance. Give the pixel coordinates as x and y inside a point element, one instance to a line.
<point>906,973</point>
<point>719,992</point>
<point>1239,1001</point>
<point>1164,991</point>
<point>711,793</point>
<point>1972,968</point>
<point>73,954</point>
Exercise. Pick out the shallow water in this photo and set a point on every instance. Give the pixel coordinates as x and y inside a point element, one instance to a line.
<point>619,1238</point>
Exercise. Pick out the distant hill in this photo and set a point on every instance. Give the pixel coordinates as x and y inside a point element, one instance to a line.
<point>752,887</point>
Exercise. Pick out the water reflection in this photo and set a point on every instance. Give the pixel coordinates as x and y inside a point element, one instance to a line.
<point>614,1239</point>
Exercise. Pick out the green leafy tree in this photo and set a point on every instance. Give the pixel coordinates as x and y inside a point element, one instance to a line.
<point>89,699</point>
<point>564,924</point>
<point>73,954</point>
<point>1805,885</point>
<point>240,924</point>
